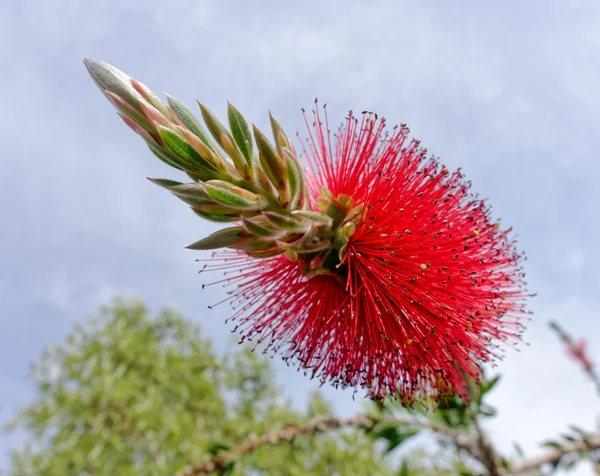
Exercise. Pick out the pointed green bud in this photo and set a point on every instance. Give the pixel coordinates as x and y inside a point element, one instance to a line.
<point>221,167</point>
<point>193,189</point>
<point>189,158</point>
<point>216,218</point>
<point>155,116</point>
<point>297,185</point>
<point>130,112</point>
<point>261,254</point>
<point>281,138</point>
<point>165,183</point>
<point>192,193</point>
<point>318,218</point>
<point>224,139</point>
<point>186,119</point>
<point>240,132</point>
<point>301,248</point>
<point>166,158</point>
<point>151,98</point>
<point>260,245</point>
<point>110,79</point>
<point>265,184</point>
<point>225,238</point>
<point>260,228</point>
<point>286,222</point>
<point>233,196</point>
<point>217,209</point>
<point>273,165</point>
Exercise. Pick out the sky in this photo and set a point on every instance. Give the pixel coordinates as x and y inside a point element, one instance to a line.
<point>506,90</point>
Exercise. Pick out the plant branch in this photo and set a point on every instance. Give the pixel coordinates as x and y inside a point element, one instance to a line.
<point>319,425</point>
<point>553,457</point>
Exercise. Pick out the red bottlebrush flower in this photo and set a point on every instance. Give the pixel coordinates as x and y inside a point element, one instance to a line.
<point>379,269</point>
<point>424,291</point>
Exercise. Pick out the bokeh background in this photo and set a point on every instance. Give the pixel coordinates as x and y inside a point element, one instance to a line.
<point>509,91</point>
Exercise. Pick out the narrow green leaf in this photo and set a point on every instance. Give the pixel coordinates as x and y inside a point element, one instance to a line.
<point>240,132</point>
<point>232,196</point>
<point>108,78</point>
<point>286,222</point>
<point>281,138</point>
<point>164,157</point>
<point>317,217</point>
<point>216,218</point>
<point>260,229</point>
<point>189,120</point>
<point>166,183</point>
<point>270,161</point>
<point>224,139</point>
<point>224,238</point>
<point>193,189</point>
<point>150,97</point>
<point>185,151</point>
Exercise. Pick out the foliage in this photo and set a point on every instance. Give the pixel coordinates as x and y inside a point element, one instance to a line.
<point>131,395</point>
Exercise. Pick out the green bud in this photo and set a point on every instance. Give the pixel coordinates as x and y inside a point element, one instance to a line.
<point>130,112</point>
<point>110,79</point>
<point>286,222</point>
<point>233,196</point>
<point>186,119</point>
<point>298,193</point>
<point>318,218</point>
<point>166,158</point>
<point>273,165</point>
<point>282,140</point>
<point>225,238</point>
<point>216,218</point>
<point>301,248</point>
<point>189,159</point>
<point>224,139</point>
<point>240,132</point>
<point>260,227</point>
<point>151,98</point>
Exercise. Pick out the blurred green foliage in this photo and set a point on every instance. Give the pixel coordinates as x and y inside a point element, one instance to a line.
<point>128,394</point>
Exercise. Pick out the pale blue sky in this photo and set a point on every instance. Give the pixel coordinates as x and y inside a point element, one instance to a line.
<point>506,90</point>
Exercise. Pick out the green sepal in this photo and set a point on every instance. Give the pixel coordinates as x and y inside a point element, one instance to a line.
<point>240,132</point>
<point>233,196</point>
<point>225,238</point>
<point>286,222</point>
<point>189,120</point>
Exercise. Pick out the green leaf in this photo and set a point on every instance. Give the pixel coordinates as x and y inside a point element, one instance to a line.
<point>215,447</point>
<point>240,132</point>
<point>282,140</point>
<point>221,239</point>
<point>551,444</point>
<point>185,151</point>
<point>165,158</point>
<point>260,229</point>
<point>109,78</point>
<point>394,435</point>
<point>233,196</point>
<point>189,120</point>
<point>215,217</point>
<point>270,160</point>
<point>165,183</point>
<point>224,139</point>
<point>286,222</point>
